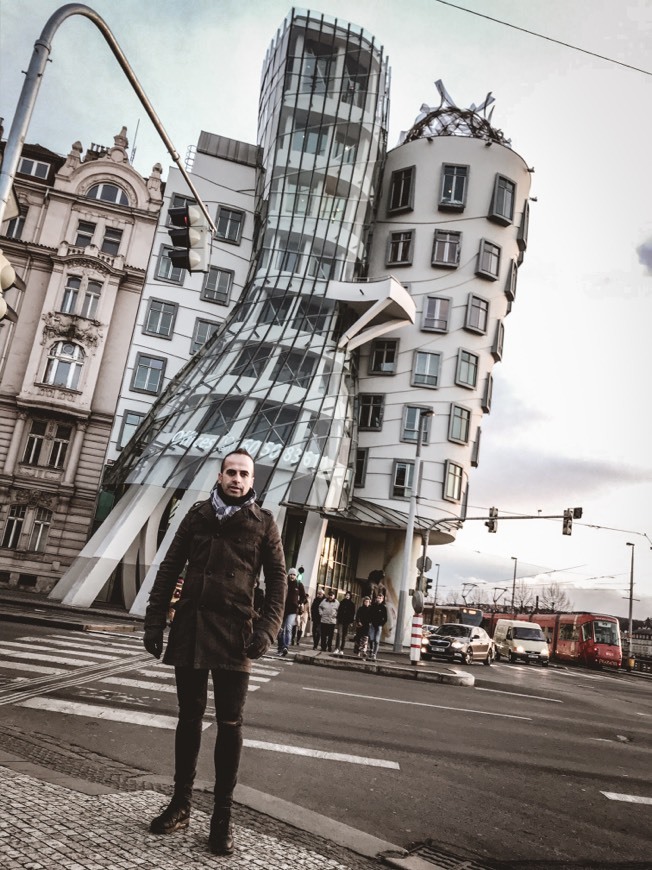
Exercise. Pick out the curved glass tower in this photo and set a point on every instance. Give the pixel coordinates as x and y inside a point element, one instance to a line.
<point>273,379</point>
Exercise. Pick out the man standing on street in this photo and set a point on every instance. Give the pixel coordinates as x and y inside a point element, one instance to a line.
<point>345,617</point>
<point>224,542</point>
<point>296,597</point>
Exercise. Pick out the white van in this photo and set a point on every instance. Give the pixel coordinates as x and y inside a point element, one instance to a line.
<point>516,639</point>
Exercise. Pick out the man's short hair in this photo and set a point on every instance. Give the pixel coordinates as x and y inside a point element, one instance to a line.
<point>239,452</point>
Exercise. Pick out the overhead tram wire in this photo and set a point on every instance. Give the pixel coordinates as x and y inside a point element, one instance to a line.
<point>547,38</point>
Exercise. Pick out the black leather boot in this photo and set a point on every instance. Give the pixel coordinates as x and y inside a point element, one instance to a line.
<point>173,818</point>
<point>220,838</point>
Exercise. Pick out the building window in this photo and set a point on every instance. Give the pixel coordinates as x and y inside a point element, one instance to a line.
<point>523,230</point>
<point>475,452</point>
<point>294,367</point>
<point>40,530</point>
<point>111,241</point>
<point>510,285</point>
<point>477,314</point>
<point>165,268</point>
<point>502,201</point>
<point>160,318</point>
<point>412,423</point>
<point>312,315</point>
<point>425,372</point>
<point>499,339</point>
<point>71,294</point>
<point>14,526</point>
<point>203,330</point>
<point>229,225</point>
<point>453,187</point>
<point>85,232</point>
<point>64,365</point>
<point>354,82</point>
<point>34,444</point>
<point>459,424</point>
<point>488,260</point>
<point>33,167</point>
<point>130,422</point>
<point>383,356</point>
<point>108,193</point>
<point>43,434</point>
<point>399,248</point>
<point>402,479</point>
<point>309,140</point>
<point>467,369</point>
<point>148,374</point>
<point>361,457</point>
<point>217,285</point>
<point>178,200</point>
<point>488,393</point>
<point>316,68</point>
<point>371,411</point>
<point>453,476</point>
<point>344,148</point>
<point>252,361</point>
<point>401,190</point>
<point>16,225</point>
<point>91,300</point>
<point>60,444</point>
<point>276,309</point>
<point>435,314</point>
<point>446,249</point>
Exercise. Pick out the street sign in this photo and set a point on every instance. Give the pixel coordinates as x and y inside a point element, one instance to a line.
<point>424,564</point>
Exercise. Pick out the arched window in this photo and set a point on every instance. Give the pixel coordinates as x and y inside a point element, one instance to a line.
<point>108,193</point>
<point>64,365</point>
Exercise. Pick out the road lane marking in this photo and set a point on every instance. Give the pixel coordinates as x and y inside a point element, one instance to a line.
<point>318,753</point>
<point>627,798</point>
<point>519,695</point>
<point>417,704</point>
<point>110,714</point>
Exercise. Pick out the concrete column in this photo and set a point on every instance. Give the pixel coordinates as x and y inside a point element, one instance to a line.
<point>14,445</point>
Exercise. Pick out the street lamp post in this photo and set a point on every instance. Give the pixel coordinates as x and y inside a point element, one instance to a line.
<point>409,535</point>
<point>514,582</point>
<point>436,586</point>
<point>630,654</point>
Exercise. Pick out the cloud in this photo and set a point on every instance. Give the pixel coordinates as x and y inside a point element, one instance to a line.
<point>644,252</point>
<point>511,473</point>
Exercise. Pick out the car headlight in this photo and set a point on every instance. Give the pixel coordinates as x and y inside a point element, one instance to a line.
<point>456,644</point>
<point>544,653</point>
<point>519,649</point>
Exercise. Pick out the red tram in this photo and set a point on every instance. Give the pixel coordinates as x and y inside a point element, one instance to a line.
<point>589,639</point>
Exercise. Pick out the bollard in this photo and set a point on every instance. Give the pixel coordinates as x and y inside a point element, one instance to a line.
<point>417,635</point>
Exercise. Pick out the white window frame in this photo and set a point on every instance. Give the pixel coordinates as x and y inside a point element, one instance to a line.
<point>160,318</point>
<point>402,185</point>
<point>13,530</point>
<point>449,199</point>
<point>361,462</point>
<point>487,394</point>
<point>452,488</point>
<point>400,248</point>
<point>464,363</point>
<point>383,348</point>
<point>488,260</point>
<point>212,290</point>
<point>58,362</point>
<point>140,364</point>
<point>165,268</point>
<point>446,249</point>
<point>83,233</point>
<point>477,314</point>
<point>118,197</point>
<point>197,342</point>
<point>41,524</point>
<point>112,241</point>
<point>459,421</point>
<point>411,424</point>
<point>426,378</point>
<point>512,278</point>
<point>37,169</point>
<point>128,427</point>
<point>503,200</point>
<point>372,405</point>
<point>233,218</point>
<point>499,341</point>
<point>406,467</point>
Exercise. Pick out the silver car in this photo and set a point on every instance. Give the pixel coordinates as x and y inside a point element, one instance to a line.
<point>452,641</point>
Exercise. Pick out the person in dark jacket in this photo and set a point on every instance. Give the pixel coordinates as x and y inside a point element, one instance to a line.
<point>296,597</point>
<point>362,620</point>
<point>315,618</point>
<point>378,618</point>
<point>345,617</point>
<point>223,543</point>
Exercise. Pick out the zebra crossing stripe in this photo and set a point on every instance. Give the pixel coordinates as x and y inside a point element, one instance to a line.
<point>109,714</point>
<point>318,753</point>
<point>627,798</point>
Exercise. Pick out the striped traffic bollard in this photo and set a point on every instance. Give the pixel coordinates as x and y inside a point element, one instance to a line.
<point>417,635</point>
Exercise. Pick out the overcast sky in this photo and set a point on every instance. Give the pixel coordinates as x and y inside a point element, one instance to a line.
<point>571,422</point>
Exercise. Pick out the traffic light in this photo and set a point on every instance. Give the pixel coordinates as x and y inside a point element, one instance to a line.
<point>492,523</point>
<point>567,528</point>
<point>191,235</point>
<point>428,586</point>
<point>7,280</point>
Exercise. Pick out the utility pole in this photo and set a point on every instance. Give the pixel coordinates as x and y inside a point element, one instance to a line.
<point>436,585</point>
<point>514,582</point>
<point>424,413</point>
<point>630,654</point>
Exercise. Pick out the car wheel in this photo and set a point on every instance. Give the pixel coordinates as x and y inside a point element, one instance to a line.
<point>512,658</point>
<point>489,659</point>
<point>544,664</point>
<point>467,657</point>
<point>497,656</point>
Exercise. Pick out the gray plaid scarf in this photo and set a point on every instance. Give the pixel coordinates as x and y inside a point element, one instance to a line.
<point>223,510</point>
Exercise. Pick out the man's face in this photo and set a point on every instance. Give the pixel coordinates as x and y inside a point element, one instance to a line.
<point>237,476</point>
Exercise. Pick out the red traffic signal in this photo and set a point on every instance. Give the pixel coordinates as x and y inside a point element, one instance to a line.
<point>190,235</point>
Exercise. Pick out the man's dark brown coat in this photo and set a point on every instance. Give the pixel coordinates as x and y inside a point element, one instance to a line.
<point>213,619</point>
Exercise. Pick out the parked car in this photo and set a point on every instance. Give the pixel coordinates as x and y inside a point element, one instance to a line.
<point>449,642</point>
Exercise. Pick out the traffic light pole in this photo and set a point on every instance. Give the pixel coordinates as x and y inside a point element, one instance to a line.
<point>29,92</point>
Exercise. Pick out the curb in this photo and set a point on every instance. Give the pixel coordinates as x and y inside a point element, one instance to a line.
<point>401,671</point>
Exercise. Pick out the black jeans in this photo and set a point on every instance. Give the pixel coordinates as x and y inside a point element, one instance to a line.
<point>230,691</point>
<point>327,632</point>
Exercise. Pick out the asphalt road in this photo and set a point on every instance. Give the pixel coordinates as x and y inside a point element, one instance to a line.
<point>525,766</point>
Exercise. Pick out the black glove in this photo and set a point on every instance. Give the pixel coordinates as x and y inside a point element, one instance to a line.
<point>257,645</point>
<point>153,641</point>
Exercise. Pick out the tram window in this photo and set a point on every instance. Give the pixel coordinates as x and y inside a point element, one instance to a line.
<point>568,632</point>
<point>586,631</point>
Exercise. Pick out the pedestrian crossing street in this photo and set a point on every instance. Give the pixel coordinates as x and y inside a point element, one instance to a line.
<point>102,676</point>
